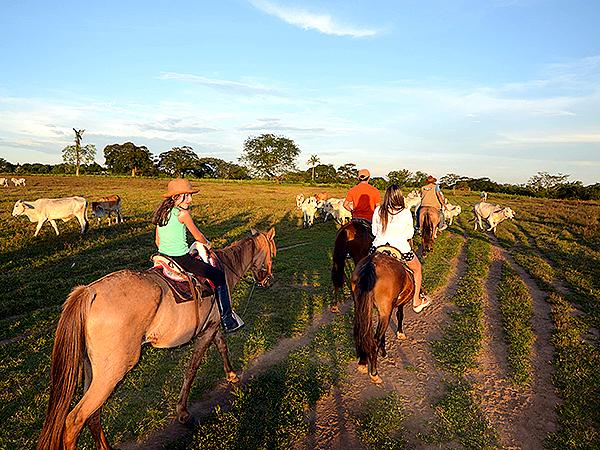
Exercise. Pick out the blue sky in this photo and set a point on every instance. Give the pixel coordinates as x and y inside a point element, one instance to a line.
<point>496,88</point>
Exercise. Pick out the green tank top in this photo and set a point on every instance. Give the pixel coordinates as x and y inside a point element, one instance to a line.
<point>172,236</point>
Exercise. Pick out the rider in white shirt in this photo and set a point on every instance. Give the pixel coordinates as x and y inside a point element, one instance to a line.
<point>392,224</point>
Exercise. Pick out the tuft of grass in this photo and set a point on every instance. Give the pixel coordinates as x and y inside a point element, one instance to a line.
<point>516,307</point>
<point>460,419</point>
<point>381,423</point>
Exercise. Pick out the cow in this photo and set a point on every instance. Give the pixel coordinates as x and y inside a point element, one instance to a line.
<point>18,181</point>
<point>483,196</point>
<point>105,207</point>
<point>452,212</point>
<point>3,182</point>
<point>309,210</point>
<point>52,209</point>
<point>321,196</point>
<point>299,200</point>
<point>412,199</point>
<point>334,207</point>
<point>494,214</point>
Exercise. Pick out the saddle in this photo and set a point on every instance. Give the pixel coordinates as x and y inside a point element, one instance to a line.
<point>389,250</point>
<point>185,286</point>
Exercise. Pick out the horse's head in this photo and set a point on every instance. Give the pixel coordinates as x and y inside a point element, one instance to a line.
<point>264,252</point>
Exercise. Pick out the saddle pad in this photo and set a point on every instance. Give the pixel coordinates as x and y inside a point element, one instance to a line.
<point>390,250</point>
<point>181,282</point>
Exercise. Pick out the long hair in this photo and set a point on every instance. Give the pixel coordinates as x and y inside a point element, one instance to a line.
<point>393,203</point>
<point>161,215</point>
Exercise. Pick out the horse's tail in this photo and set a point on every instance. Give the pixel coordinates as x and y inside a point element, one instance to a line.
<point>364,341</point>
<point>66,367</point>
<point>427,228</point>
<point>340,250</point>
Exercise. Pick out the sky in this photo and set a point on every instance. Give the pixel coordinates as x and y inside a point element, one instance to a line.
<point>480,88</point>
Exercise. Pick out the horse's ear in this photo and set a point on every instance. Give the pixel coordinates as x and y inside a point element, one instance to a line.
<point>253,231</point>
<point>271,233</point>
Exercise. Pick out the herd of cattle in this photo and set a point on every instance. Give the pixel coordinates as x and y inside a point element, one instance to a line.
<point>67,208</point>
<point>322,205</point>
<point>16,182</point>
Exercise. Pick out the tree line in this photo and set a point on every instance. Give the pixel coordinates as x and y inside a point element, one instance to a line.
<point>269,156</point>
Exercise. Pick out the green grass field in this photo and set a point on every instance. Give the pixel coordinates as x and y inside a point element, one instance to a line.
<point>554,241</point>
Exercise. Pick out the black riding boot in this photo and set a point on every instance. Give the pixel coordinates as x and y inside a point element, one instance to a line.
<point>229,319</point>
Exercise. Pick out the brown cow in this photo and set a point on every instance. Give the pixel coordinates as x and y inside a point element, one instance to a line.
<point>321,196</point>
<point>106,206</point>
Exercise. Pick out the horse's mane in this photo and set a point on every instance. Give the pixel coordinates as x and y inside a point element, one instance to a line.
<point>234,253</point>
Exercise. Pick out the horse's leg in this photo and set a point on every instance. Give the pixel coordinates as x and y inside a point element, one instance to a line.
<point>219,341</point>
<point>400,317</point>
<point>94,421</point>
<point>202,343</point>
<point>104,380</point>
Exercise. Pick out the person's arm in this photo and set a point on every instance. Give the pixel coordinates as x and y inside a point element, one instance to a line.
<point>440,197</point>
<point>348,205</point>
<point>375,222</point>
<point>157,238</point>
<point>186,218</point>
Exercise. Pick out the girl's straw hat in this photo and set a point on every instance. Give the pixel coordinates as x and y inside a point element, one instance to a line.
<point>179,186</point>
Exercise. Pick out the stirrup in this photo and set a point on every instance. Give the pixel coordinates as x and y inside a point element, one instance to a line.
<point>232,323</point>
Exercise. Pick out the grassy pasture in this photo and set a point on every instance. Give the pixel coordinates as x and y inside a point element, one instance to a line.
<point>38,273</point>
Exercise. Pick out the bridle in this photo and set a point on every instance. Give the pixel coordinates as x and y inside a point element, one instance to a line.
<point>261,275</point>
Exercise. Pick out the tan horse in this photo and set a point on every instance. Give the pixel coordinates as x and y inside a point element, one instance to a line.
<point>103,325</point>
<point>429,219</point>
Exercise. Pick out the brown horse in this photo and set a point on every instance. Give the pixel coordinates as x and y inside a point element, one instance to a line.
<point>353,239</point>
<point>429,219</point>
<point>382,281</point>
<point>104,324</point>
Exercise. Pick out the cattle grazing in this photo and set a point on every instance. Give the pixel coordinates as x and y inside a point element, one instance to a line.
<point>309,210</point>
<point>494,214</point>
<point>52,209</point>
<point>3,182</point>
<point>105,207</point>
<point>334,207</point>
<point>18,181</point>
<point>452,212</point>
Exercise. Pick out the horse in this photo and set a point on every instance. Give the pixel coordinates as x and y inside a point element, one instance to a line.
<point>385,282</point>
<point>429,219</point>
<point>104,324</point>
<point>353,239</point>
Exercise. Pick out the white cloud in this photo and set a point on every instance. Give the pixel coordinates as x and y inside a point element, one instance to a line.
<point>306,20</point>
<point>229,86</point>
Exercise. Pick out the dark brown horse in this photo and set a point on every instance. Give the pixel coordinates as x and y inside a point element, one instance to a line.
<point>429,219</point>
<point>354,239</point>
<point>382,281</point>
<point>103,325</point>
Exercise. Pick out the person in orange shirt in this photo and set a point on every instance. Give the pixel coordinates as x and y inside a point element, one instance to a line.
<point>363,198</point>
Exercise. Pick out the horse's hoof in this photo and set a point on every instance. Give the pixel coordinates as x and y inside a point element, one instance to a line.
<point>362,368</point>
<point>184,417</point>
<point>400,336</point>
<point>233,377</point>
<point>376,379</point>
<point>334,309</point>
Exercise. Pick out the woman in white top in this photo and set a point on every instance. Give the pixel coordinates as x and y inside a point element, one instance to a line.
<point>393,225</point>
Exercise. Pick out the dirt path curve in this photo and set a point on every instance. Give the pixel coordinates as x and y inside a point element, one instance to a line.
<point>220,395</point>
<point>408,370</point>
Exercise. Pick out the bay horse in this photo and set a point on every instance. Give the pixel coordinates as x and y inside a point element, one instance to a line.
<point>104,324</point>
<point>385,282</point>
<point>353,239</point>
<point>429,219</point>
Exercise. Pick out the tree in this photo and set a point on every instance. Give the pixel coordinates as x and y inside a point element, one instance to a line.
<point>270,155</point>
<point>400,177</point>
<point>128,157</point>
<point>218,168</point>
<point>78,155</point>
<point>450,180</point>
<point>419,178</point>
<point>543,182</point>
<point>347,172</point>
<point>324,173</point>
<point>178,160</point>
<point>6,167</point>
<point>313,161</point>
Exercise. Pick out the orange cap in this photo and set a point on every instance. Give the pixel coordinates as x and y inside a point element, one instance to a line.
<point>364,174</point>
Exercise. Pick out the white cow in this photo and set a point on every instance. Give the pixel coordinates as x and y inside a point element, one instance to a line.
<point>4,182</point>
<point>52,209</point>
<point>309,210</point>
<point>483,196</point>
<point>494,214</point>
<point>334,207</point>
<point>412,199</point>
<point>18,181</point>
<point>299,200</point>
<point>452,212</point>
